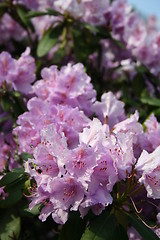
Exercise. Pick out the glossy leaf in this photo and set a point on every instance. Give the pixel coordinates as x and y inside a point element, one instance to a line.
<point>33,14</point>
<point>104,227</point>
<point>10,178</point>
<point>15,194</point>
<point>143,230</point>
<point>49,40</point>
<point>25,156</point>
<point>22,12</point>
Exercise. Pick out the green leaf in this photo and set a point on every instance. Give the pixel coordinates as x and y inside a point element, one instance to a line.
<point>53,12</point>
<point>157,112</point>
<point>15,194</point>
<point>10,226</point>
<point>10,178</point>
<point>138,85</point>
<point>14,183</point>
<point>18,170</point>
<point>26,212</point>
<point>83,44</point>
<point>102,32</point>
<point>59,55</point>
<point>143,230</point>
<point>104,227</point>
<point>33,14</point>
<point>16,94</point>
<point>6,103</point>
<point>22,13</point>
<point>150,101</point>
<point>49,40</point>
<point>120,233</point>
<point>25,156</point>
<point>141,69</point>
<point>73,229</point>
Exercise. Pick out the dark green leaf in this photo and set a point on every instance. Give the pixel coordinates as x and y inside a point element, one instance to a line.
<point>10,178</point>
<point>104,227</point>
<point>138,85</point>
<point>157,112</point>
<point>49,40</point>
<point>73,229</point>
<point>120,233</point>
<point>15,194</point>
<point>6,103</point>
<point>9,226</point>
<point>141,69</point>
<point>53,12</point>
<point>18,170</point>
<point>59,55</point>
<point>151,101</point>
<point>102,32</point>
<point>83,44</point>
<point>25,156</point>
<point>33,14</point>
<point>25,211</point>
<point>22,13</point>
<point>143,230</point>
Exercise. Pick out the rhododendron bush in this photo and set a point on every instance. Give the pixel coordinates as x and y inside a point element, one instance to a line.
<point>79,121</point>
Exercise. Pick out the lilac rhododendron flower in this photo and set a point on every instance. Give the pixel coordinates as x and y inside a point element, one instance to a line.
<point>18,74</point>
<point>151,139</point>
<point>10,29</point>
<point>130,126</point>
<point>7,67</point>
<point>36,4</point>
<point>78,153</point>
<point>149,165</point>
<point>82,177</point>
<point>65,173</point>
<point>69,86</point>
<point>41,114</point>
<point>109,110</point>
<point>95,11</point>
<point>119,11</point>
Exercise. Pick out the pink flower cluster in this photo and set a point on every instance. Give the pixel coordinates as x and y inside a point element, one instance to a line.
<point>10,29</point>
<point>141,39</point>
<point>17,74</point>
<point>76,159</point>
<point>87,10</point>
